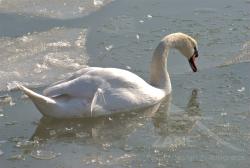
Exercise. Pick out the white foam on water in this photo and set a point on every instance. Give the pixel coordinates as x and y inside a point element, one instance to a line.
<point>60,9</point>
<point>41,58</point>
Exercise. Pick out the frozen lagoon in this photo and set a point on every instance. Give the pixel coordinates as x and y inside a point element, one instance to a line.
<point>205,125</point>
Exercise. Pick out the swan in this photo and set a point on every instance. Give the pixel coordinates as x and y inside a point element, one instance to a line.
<point>96,91</point>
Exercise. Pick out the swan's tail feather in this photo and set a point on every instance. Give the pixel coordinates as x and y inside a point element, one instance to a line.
<point>43,103</point>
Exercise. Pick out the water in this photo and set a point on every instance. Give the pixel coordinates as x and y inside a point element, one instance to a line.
<point>52,9</point>
<point>204,124</point>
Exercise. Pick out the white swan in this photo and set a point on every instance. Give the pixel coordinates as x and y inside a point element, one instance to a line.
<point>96,91</point>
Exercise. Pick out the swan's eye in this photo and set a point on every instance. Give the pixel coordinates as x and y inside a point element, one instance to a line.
<point>196,54</point>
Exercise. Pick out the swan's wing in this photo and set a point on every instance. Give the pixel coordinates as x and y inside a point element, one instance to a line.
<point>84,86</point>
<point>76,75</point>
<point>85,82</point>
<point>97,99</point>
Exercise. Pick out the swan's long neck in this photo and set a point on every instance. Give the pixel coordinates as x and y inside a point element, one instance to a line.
<point>159,76</point>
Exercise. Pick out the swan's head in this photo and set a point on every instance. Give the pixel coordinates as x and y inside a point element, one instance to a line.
<point>186,45</point>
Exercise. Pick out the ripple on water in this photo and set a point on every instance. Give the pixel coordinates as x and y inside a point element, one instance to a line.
<point>244,55</point>
<point>44,155</point>
<point>205,11</point>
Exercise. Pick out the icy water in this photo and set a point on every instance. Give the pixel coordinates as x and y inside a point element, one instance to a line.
<point>205,123</point>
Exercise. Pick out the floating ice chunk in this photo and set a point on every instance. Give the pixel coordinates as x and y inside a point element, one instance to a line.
<point>138,37</point>
<point>226,125</point>
<point>80,42</point>
<point>6,99</point>
<point>140,124</point>
<point>128,67</point>
<point>17,157</point>
<point>12,85</point>
<point>125,158</point>
<point>10,123</point>
<point>26,144</point>
<point>141,21</point>
<point>44,155</point>
<point>25,39</point>
<point>109,47</point>
<point>52,132</point>
<point>81,9</point>
<point>59,44</point>
<point>82,135</point>
<point>127,148</point>
<point>98,2</point>
<point>40,68</point>
<point>223,114</point>
<point>69,129</point>
<point>242,89</point>
<point>106,146</point>
<point>149,16</point>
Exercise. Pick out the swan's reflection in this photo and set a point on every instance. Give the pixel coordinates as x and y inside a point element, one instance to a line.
<point>174,126</point>
<point>118,127</point>
<point>98,130</point>
<point>178,120</point>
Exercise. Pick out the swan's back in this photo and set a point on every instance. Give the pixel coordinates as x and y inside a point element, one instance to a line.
<point>119,78</point>
<point>110,89</point>
<point>94,78</point>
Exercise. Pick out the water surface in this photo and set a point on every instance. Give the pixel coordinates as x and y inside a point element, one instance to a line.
<point>205,123</point>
